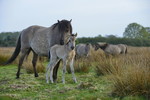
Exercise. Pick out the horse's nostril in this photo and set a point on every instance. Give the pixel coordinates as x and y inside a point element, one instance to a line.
<point>61,42</point>
<point>72,48</point>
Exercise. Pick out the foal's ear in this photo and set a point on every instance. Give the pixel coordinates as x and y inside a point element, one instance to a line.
<point>70,20</point>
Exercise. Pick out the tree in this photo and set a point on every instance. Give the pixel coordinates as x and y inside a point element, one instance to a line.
<point>135,30</point>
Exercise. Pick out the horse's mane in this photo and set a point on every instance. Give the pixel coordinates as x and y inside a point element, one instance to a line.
<point>62,25</point>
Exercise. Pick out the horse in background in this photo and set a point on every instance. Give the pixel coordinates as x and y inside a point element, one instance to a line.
<point>83,50</point>
<point>112,49</point>
<point>65,52</point>
<point>39,39</point>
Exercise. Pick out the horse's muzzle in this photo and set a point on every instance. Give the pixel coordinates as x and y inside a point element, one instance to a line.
<point>72,47</point>
<point>61,42</point>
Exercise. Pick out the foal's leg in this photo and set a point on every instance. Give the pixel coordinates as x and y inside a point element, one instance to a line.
<point>64,70</point>
<point>72,70</point>
<point>53,62</point>
<point>34,61</point>
<point>47,73</point>
<point>23,54</point>
<point>55,70</point>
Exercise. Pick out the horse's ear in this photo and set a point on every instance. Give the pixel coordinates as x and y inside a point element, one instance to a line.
<point>70,20</point>
<point>58,21</point>
<point>75,34</point>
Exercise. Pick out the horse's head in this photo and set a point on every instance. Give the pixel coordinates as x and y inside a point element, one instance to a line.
<point>71,41</point>
<point>64,29</point>
<point>87,49</point>
<point>101,45</point>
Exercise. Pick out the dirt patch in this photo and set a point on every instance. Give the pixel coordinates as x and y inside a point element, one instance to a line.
<point>86,85</point>
<point>65,90</point>
<point>19,86</point>
<point>4,81</point>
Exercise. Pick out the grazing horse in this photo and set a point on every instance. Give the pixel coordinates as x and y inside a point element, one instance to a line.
<point>39,39</point>
<point>65,52</point>
<point>112,49</point>
<point>83,50</point>
<point>123,48</point>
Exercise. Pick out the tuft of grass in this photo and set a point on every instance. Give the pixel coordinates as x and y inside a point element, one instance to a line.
<point>129,73</point>
<point>81,65</point>
<point>108,66</point>
<point>135,80</point>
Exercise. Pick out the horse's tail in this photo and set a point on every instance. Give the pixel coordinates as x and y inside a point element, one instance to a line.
<point>16,52</point>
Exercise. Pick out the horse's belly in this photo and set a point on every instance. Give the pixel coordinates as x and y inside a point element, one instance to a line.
<point>40,49</point>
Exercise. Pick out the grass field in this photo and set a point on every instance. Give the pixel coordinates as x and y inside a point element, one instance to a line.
<point>124,77</point>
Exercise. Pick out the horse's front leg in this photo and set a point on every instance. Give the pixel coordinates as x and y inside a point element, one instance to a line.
<point>64,70</point>
<point>72,70</point>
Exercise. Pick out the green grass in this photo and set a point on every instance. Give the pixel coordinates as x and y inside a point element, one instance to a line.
<point>89,87</point>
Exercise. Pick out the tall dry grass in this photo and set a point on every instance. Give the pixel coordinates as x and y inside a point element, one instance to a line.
<point>81,65</point>
<point>40,67</point>
<point>129,73</point>
<point>6,53</point>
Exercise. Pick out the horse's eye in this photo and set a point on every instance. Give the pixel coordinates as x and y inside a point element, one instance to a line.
<point>67,30</point>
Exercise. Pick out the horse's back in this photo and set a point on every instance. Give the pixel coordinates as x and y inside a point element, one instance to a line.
<point>80,49</point>
<point>34,37</point>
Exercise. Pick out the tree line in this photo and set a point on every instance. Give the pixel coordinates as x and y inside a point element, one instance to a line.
<point>134,35</point>
<point>8,39</point>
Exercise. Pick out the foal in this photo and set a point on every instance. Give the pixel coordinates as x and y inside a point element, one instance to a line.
<point>65,52</point>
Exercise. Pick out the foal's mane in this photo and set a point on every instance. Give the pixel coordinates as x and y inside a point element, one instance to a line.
<point>62,25</point>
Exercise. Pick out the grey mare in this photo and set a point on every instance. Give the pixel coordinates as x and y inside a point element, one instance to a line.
<point>39,39</point>
<point>83,50</point>
<point>112,49</point>
<point>65,52</point>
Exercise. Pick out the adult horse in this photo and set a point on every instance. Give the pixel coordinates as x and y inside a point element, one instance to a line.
<point>112,49</point>
<point>39,39</point>
<point>83,50</point>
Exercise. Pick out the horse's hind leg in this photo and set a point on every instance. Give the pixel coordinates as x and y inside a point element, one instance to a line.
<point>52,65</point>
<point>23,54</point>
<point>34,61</point>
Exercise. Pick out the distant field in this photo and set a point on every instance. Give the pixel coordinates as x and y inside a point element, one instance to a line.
<point>123,77</point>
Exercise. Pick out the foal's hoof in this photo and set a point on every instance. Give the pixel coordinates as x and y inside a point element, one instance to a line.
<point>55,81</point>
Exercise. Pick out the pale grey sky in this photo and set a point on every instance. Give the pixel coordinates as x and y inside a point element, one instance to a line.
<point>89,17</point>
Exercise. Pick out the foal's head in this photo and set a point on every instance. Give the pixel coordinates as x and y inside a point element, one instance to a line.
<point>71,41</point>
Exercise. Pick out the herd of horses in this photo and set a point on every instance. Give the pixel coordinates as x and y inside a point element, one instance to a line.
<point>58,43</point>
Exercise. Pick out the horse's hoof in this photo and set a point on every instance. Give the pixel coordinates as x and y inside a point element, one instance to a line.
<point>36,75</point>
<point>17,77</point>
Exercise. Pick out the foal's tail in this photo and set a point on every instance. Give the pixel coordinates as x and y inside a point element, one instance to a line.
<point>16,52</point>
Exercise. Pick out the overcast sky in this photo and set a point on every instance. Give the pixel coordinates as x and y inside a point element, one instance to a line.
<point>89,17</point>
